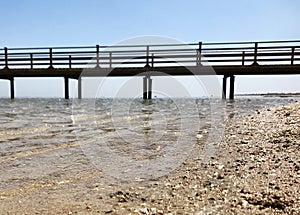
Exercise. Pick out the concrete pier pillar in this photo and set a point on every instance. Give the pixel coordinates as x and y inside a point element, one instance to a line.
<point>149,88</point>
<point>79,88</point>
<point>12,88</point>
<point>224,87</point>
<point>231,93</point>
<point>145,88</point>
<point>66,87</point>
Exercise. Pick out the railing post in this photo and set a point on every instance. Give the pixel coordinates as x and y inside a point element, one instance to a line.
<point>110,59</point>
<point>293,56</point>
<point>255,54</point>
<point>98,55</point>
<point>51,58</point>
<point>6,57</point>
<point>70,61</point>
<point>243,58</point>
<point>152,60</point>
<point>199,53</point>
<point>31,60</point>
<point>147,57</point>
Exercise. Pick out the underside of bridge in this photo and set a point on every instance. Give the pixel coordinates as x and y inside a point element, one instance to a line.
<point>228,72</point>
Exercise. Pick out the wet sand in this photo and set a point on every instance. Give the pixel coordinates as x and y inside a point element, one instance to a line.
<point>255,171</point>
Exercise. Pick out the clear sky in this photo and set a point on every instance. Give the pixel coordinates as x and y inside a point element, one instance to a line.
<point>27,23</point>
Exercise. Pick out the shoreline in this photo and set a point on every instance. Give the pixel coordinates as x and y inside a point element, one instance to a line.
<point>256,170</point>
<point>280,95</point>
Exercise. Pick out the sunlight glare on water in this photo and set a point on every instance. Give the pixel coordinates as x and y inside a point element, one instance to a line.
<point>39,137</point>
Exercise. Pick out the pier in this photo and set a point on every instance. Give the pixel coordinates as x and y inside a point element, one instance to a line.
<point>228,59</point>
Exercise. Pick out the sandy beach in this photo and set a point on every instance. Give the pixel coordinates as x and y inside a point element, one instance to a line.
<point>256,170</point>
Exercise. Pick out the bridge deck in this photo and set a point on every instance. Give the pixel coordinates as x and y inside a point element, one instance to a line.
<point>156,71</point>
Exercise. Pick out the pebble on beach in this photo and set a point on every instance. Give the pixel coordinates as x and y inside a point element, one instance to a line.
<point>256,171</point>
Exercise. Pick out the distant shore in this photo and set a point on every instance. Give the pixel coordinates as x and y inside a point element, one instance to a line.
<point>270,94</point>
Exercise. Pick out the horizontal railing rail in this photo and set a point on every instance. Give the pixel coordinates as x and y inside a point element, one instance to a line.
<point>155,55</point>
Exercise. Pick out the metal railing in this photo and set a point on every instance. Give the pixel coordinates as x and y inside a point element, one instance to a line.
<point>160,55</point>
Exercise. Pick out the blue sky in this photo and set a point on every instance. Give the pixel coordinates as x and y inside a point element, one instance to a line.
<point>31,23</point>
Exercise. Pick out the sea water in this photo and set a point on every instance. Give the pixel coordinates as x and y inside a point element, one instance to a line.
<point>41,137</point>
